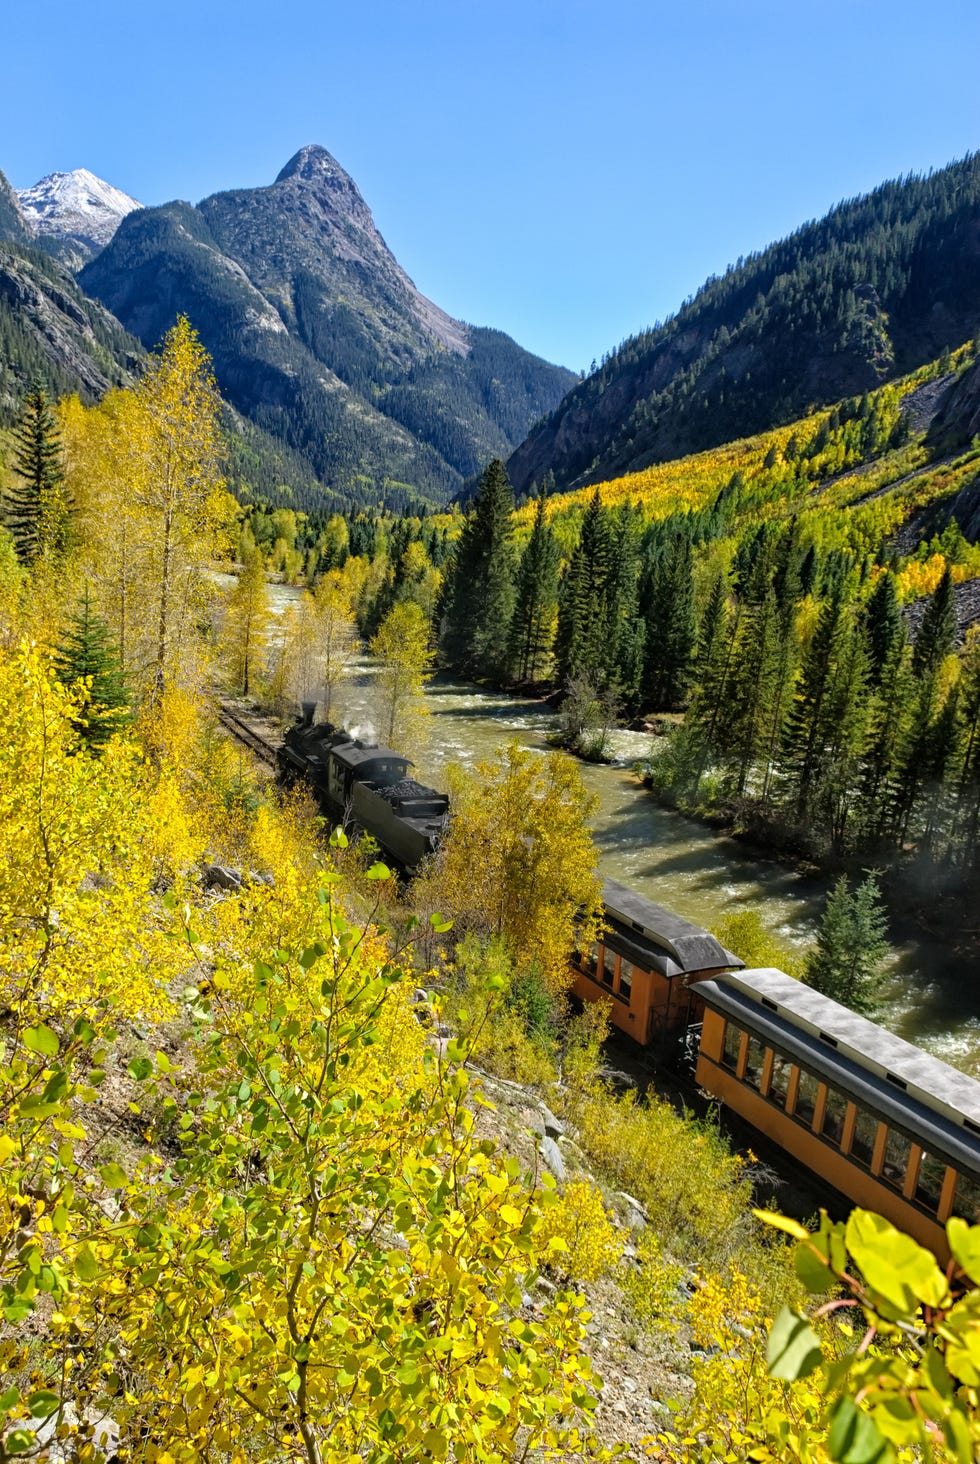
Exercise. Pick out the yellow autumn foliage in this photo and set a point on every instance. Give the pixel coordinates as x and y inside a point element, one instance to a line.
<point>590,1244</point>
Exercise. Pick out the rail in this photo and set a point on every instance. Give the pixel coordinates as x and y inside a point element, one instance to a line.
<point>234,724</point>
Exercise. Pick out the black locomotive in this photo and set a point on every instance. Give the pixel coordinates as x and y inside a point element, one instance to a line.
<point>366,786</point>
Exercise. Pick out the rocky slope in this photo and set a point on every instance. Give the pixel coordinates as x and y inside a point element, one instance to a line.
<point>13,225</point>
<point>319,337</point>
<point>49,330</point>
<point>873,290</point>
<point>75,214</point>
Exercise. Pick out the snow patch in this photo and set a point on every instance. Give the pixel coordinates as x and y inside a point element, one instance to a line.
<point>76,206</point>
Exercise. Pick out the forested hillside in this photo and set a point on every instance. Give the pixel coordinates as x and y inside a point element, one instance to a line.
<point>876,288</point>
<point>319,337</point>
<point>795,609</point>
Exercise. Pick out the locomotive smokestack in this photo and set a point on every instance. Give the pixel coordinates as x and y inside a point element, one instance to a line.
<point>309,712</point>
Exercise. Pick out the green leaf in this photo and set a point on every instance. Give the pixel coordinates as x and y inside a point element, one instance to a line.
<point>813,1271</point>
<point>18,1311</point>
<point>8,1399</point>
<point>113,1177</point>
<point>338,839</point>
<point>793,1349</point>
<point>782,1222</point>
<point>19,1441</point>
<point>42,1404</point>
<point>41,1039</point>
<point>140,1069</point>
<point>86,1266</point>
<point>379,871</point>
<point>84,1031</point>
<point>440,924</point>
<point>964,1242</point>
<point>854,1437</point>
<point>893,1264</point>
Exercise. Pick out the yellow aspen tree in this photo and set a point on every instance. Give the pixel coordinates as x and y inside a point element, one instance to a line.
<point>247,620</point>
<point>401,645</point>
<point>101,460</point>
<point>336,634</point>
<point>519,863</point>
<point>179,489</point>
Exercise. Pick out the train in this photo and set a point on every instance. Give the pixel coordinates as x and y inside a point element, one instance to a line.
<point>364,784</point>
<point>887,1125</point>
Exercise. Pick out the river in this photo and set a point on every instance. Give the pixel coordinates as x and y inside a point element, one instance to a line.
<point>931,995</point>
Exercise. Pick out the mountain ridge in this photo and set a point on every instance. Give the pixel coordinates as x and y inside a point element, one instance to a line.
<point>319,336</point>
<point>878,286</point>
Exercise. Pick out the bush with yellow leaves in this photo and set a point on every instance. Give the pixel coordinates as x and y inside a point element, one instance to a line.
<point>591,1245</point>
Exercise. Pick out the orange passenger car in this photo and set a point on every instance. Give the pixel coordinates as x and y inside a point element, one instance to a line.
<point>891,1127</point>
<point>646,961</point>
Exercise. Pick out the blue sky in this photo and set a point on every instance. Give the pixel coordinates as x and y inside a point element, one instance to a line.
<point>565,170</point>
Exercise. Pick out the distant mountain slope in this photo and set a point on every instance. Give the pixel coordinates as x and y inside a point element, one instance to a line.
<point>319,337</point>
<point>13,225</point>
<point>873,290</point>
<point>75,214</point>
<point>50,331</point>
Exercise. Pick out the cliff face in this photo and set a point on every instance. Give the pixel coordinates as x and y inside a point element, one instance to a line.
<point>48,329</point>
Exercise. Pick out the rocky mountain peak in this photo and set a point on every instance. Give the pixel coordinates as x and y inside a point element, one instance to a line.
<point>314,171</point>
<point>312,163</point>
<point>78,210</point>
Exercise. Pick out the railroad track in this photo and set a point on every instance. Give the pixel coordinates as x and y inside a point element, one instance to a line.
<point>234,724</point>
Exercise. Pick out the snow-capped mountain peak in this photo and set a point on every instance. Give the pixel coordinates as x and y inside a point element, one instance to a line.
<point>77,208</point>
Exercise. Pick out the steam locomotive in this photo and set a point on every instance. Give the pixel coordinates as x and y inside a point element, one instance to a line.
<point>364,784</point>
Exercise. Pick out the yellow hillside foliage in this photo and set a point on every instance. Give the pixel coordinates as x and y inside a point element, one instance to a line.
<point>589,1243</point>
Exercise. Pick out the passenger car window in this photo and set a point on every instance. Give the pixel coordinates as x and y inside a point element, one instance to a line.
<point>895,1167</point>
<point>967,1201</point>
<point>608,966</point>
<point>834,1114</point>
<point>733,1042</point>
<point>625,978</point>
<point>753,1064</point>
<point>932,1172</point>
<point>806,1097</point>
<point>863,1142</point>
<point>779,1082</point>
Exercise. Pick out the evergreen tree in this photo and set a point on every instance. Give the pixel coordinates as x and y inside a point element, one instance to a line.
<point>937,633</point>
<point>671,624</point>
<point>582,638</point>
<point>532,627</point>
<point>707,714</point>
<point>807,724</point>
<point>627,630</point>
<point>887,732</point>
<point>38,506</point>
<point>480,595</point>
<point>966,818</point>
<point>86,659</point>
<point>753,687</point>
<point>846,963</point>
<point>884,624</point>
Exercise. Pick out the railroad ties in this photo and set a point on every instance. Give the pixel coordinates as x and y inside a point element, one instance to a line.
<point>244,733</point>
